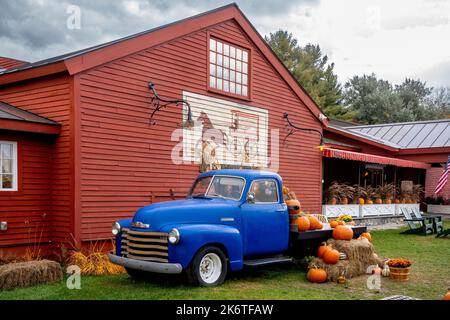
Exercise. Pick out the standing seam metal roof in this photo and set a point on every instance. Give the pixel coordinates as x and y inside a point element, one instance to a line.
<point>408,135</point>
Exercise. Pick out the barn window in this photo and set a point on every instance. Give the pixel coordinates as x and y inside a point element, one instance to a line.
<point>8,166</point>
<point>228,68</point>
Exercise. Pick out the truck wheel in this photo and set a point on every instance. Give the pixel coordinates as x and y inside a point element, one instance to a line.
<point>208,268</point>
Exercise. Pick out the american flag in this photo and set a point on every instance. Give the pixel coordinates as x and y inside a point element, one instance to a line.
<point>444,178</point>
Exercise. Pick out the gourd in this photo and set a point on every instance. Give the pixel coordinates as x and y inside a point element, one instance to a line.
<point>386,272</point>
<point>342,233</point>
<point>376,270</point>
<point>367,236</point>
<point>331,256</point>
<point>303,223</point>
<point>316,275</point>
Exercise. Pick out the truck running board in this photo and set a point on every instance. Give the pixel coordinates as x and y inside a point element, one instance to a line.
<point>266,261</point>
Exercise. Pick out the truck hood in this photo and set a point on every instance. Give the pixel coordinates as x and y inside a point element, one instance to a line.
<point>188,211</point>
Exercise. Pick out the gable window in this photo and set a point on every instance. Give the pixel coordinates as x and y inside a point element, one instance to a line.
<point>228,68</point>
<point>8,166</point>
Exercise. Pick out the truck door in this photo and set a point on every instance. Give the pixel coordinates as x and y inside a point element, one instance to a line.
<point>266,221</point>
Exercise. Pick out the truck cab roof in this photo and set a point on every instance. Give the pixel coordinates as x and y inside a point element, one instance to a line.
<point>247,174</point>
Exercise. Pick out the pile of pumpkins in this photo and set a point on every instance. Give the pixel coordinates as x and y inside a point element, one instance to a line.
<point>304,222</point>
<point>330,255</point>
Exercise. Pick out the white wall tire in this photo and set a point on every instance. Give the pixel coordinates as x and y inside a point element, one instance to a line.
<point>208,268</point>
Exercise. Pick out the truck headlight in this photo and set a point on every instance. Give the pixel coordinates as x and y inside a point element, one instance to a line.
<point>174,236</point>
<point>116,228</point>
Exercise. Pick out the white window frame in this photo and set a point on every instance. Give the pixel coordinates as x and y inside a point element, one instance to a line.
<point>14,166</point>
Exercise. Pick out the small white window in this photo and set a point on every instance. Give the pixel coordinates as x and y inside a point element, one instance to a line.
<point>228,69</point>
<point>8,166</point>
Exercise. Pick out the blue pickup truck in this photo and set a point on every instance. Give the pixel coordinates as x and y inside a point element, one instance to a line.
<point>229,219</point>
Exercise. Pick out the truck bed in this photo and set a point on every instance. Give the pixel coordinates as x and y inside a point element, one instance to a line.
<point>325,233</point>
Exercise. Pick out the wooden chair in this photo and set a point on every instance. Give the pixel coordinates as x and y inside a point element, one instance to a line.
<point>438,225</point>
<point>416,226</point>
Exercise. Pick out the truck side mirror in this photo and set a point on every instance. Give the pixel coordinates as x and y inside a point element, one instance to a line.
<point>251,197</point>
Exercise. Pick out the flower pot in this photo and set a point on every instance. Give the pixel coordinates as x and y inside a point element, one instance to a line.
<point>400,274</point>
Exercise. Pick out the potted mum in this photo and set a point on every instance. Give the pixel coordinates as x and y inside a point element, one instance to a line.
<point>399,269</point>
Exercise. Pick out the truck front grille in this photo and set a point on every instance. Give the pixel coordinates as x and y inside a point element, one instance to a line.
<point>147,246</point>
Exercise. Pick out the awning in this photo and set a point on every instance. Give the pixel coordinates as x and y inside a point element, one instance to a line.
<point>371,158</point>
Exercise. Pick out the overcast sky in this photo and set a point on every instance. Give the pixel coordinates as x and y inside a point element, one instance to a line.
<point>394,39</point>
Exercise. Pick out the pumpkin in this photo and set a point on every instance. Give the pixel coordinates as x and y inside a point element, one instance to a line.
<point>378,201</point>
<point>341,223</point>
<point>396,201</point>
<point>322,249</point>
<point>303,223</point>
<point>293,206</point>
<point>447,296</point>
<point>343,233</point>
<point>367,236</point>
<point>334,224</point>
<point>344,201</point>
<point>333,201</point>
<point>369,201</point>
<point>361,200</point>
<point>314,223</point>
<point>331,256</point>
<point>388,201</point>
<point>316,275</point>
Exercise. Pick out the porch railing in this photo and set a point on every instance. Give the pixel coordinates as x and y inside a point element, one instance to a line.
<point>366,210</point>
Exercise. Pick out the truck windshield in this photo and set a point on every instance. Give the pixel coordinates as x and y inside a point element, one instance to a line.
<point>218,186</point>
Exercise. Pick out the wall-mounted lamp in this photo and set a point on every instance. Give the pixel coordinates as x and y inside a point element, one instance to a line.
<point>160,103</point>
<point>293,129</point>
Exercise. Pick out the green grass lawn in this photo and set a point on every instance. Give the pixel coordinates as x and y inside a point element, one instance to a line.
<point>430,279</point>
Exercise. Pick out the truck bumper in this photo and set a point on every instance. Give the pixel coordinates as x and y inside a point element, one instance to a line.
<point>158,267</point>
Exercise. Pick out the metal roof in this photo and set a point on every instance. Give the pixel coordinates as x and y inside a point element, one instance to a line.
<point>407,135</point>
<point>10,112</point>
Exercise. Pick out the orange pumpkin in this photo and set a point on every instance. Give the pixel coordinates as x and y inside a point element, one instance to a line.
<point>344,201</point>
<point>388,201</point>
<point>366,235</point>
<point>303,223</point>
<point>314,223</point>
<point>447,296</point>
<point>322,249</point>
<point>369,201</point>
<point>316,275</point>
<point>343,233</point>
<point>361,200</point>
<point>293,206</point>
<point>378,201</point>
<point>331,256</point>
<point>377,270</point>
<point>333,201</point>
<point>319,226</point>
<point>396,201</point>
<point>341,223</point>
<point>334,224</point>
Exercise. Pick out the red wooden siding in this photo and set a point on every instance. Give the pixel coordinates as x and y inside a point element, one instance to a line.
<point>125,162</point>
<point>50,97</point>
<point>28,210</point>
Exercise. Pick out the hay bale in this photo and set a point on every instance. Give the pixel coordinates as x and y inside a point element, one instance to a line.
<point>25,274</point>
<point>360,255</point>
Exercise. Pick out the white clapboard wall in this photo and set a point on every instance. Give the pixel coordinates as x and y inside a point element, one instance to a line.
<point>238,133</point>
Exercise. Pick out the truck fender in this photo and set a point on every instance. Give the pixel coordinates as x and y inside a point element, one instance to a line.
<point>195,236</point>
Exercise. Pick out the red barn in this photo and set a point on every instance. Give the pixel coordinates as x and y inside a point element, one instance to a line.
<point>81,149</point>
